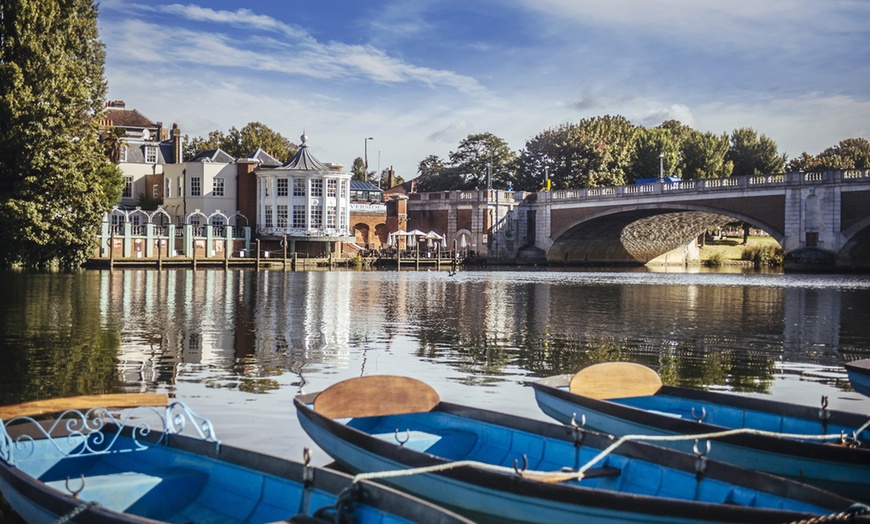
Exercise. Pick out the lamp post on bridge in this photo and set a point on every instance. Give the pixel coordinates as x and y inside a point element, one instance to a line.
<point>661,167</point>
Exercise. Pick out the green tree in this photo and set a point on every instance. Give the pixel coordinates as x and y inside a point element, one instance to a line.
<point>649,145</point>
<point>434,175</point>
<point>481,156</point>
<point>704,156</point>
<point>805,162</point>
<point>358,169</point>
<point>754,154</point>
<point>55,179</point>
<point>241,142</point>
<point>595,152</point>
<point>852,153</point>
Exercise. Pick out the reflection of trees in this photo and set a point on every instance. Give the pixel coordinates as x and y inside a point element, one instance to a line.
<point>489,330</point>
<point>54,343</point>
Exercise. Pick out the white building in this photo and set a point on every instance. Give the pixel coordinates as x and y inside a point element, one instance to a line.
<point>304,200</point>
<point>203,190</point>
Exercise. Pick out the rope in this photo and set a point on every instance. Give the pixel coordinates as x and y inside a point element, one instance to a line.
<point>75,512</point>
<point>579,474</point>
<point>851,512</point>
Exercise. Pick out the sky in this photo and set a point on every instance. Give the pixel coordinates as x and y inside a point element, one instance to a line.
<point>420,76</point>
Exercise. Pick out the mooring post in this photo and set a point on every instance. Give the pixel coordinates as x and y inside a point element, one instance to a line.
<point>258,254</point>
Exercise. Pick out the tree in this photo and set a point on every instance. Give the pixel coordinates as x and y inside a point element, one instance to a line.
<point>482,159</point>
<point>754,154</point>
<point>649,145</point>
<point>595,152</point>
<point>852,153</point>
<point>242,142</point>
<point>704,156</point>
<point>358,169</point>
<point>806,163</point>
<point>55,180</point>
<point>434,175</point>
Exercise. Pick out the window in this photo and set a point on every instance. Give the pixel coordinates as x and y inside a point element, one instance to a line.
<point>180,188</point>
<point>317,188</point>
<point>282,187</point>
<point>298,187</point>
<point>341,221</point>
<point>218,187</point>
<point>299,217</point>
<point>150,154</point>
<point>316,217</point>
<point>268,217</point>
<point>331,187</point>
<point>168,187</point>
<point>123,155</point>
<point>282,215</point>
<point>128,187</point>
<point>267,186</point>
<point>345,185</point>
<point>330,217</point>
<point>155,191</point>
<point>195,187</point>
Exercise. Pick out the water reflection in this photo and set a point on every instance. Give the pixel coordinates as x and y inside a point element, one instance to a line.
<point>259,332</point>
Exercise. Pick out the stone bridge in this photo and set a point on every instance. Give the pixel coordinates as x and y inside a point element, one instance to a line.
<point>822,220</point>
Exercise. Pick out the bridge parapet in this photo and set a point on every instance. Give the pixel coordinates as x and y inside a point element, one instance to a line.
<point>708,185</point>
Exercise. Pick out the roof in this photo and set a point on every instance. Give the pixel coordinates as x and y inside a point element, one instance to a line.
<point>127,118</point>
<point>304,160</point>
<point>264,158</point>
<point>217,156</point>
<point>359,185</point>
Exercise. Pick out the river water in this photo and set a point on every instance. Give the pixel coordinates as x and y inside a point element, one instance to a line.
<point>237,346</point>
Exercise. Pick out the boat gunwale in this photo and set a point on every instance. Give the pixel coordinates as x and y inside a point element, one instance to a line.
<point>388,499</point>
<point>783,446</point>
<point>574,494</point>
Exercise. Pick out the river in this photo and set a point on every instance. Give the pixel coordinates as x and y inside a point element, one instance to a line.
<point>237,346</point>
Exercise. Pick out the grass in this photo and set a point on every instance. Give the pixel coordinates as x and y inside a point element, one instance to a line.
<point>731,249</point>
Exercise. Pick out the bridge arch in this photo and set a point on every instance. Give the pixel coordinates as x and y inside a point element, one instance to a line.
<point>640,234</point>
<point>855,253</point>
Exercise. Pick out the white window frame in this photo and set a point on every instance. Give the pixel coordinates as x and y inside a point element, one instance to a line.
<point>195,186</point>
<point>218,189</point>
<point>150,154</point>
<point>128,187</point>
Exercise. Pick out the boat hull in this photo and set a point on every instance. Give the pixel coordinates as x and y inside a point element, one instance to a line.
<point>181,479</point>
<point>859,375</point>
<point>508,497</point>
<point>835,468</point>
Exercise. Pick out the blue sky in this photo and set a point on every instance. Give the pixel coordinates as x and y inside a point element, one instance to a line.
<point>419,76</point>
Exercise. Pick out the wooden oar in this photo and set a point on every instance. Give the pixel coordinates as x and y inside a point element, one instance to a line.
<point>57,405</point>
<point>615,380</point>
<point>375,395</point>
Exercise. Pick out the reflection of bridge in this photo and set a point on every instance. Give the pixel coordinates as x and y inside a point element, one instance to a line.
<point>821,220</point>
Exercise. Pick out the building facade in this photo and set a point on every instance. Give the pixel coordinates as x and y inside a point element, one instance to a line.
<point>305,203</point>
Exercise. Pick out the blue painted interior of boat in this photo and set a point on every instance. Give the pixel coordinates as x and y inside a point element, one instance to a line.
<point>456,438</point>
<point>730,416</point>
<point>167,484</point>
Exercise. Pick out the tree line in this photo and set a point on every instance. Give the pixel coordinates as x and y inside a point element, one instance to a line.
<point>610,150</point>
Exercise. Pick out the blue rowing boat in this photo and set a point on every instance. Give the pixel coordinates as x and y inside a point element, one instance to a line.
<point>107,467</point>
<point>499,467</point>
<point>628,399</point>
<point>859,375</point>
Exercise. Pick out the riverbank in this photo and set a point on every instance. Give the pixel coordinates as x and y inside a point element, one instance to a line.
<point>729,250</point>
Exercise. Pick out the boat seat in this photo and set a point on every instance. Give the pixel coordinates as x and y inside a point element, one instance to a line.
<point>156,494</point>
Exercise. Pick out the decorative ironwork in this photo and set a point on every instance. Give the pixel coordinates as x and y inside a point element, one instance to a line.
<point>87,433</point>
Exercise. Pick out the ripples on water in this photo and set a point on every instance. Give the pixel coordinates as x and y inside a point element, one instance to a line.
<point>238,345</point>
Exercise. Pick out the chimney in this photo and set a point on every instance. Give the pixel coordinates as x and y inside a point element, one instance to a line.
<point>176,144</point>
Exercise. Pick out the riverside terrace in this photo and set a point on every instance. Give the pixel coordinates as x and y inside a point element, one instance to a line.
<point>820,219</point>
